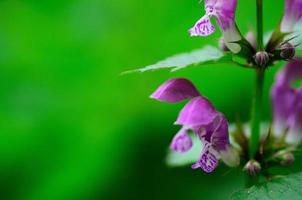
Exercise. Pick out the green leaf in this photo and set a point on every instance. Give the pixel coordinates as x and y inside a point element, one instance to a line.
<point>175,159</point>
<point>208,55</point>
<point>286,187</point>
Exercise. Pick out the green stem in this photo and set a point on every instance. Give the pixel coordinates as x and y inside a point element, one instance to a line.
<point>256,113</point>
<point>251,180</point>
<point>257,101</point>
<point>259,25</point>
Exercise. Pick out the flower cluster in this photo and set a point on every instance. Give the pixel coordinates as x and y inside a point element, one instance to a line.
<point>200,119</point>
<point>203,119</point>
<point>224,13</point>
<point>287,103</point>
<point>211,126</point>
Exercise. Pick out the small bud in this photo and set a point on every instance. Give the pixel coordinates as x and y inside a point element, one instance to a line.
<point>252,167</point>
<point>286,158</point>
<point>288,51</point>
<point>222,45</point>
<point>262,58</point>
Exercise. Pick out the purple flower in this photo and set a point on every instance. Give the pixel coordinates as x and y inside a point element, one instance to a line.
<point>203,119</point>
<point>175,90</point>
<point>224,13</point>
<point>181,141</point>
<point>293,13</point>
<point>287,103</point>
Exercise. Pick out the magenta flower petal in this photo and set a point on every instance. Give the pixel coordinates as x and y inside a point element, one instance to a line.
<point>295,122</point>
<point>203,27</point>
<point>220,136</point>
<point>286,99</point>
<point>181,142</point>
<point>224,13</point>
<point>208,161</point>
<point>199,111</point>
<point>175,90</point>
<point>202,118</point>
<point>293,13</point>
<point>283,99</point>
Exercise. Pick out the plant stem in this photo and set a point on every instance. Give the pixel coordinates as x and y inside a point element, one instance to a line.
<point>251,180</point>
<point>257,100</point>
<point>259,25</point>
<point>256,112</point>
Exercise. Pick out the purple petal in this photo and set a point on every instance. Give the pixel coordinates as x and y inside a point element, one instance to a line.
<point>175,90</point>
<point>220,137</point>
<point>203,27</point>
<point>293,13</point>
<point>199,111</point>
<point>284,96</point>
<point>294,134</point>
<point>223,11</point>
<point>283,99</point>
<point>208,161</point>
<point>216,133</point>
<point>181,142</point>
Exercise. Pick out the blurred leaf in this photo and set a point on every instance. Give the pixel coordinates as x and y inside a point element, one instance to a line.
<point>288,187</point>
<point>206,55</point>
<point>175,159</point>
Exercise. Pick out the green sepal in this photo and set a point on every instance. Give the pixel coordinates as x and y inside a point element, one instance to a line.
<point>247,51</point>
<point>276,39</point>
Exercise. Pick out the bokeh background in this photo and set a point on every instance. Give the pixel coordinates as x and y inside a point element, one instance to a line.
<point>73,128</point>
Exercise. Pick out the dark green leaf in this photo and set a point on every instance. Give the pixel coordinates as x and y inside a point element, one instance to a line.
<point>286,187</point>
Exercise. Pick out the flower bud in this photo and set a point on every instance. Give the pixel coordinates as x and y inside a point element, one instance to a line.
<point>262,58</point>
<point>286,158</point>
<point>288,51</point>
<point>252,167</point>
<point>222,45</point>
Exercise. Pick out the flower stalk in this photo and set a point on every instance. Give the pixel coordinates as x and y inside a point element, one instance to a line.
<point>256,113</point>
<point>257,101</point>
<point>259,25</point>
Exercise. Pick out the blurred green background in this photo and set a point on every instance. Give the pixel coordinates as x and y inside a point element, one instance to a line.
<point>73,128</point>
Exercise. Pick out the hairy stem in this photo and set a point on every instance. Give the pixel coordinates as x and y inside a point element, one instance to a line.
<point>257,100</point>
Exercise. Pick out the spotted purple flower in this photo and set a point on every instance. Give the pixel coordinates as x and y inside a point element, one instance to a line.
<point>293,13</point>
<point>287,102</point>
<point>200,117</point>
<point>224,13</point>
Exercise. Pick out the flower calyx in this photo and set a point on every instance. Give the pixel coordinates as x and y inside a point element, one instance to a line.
<point>262,59</point>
